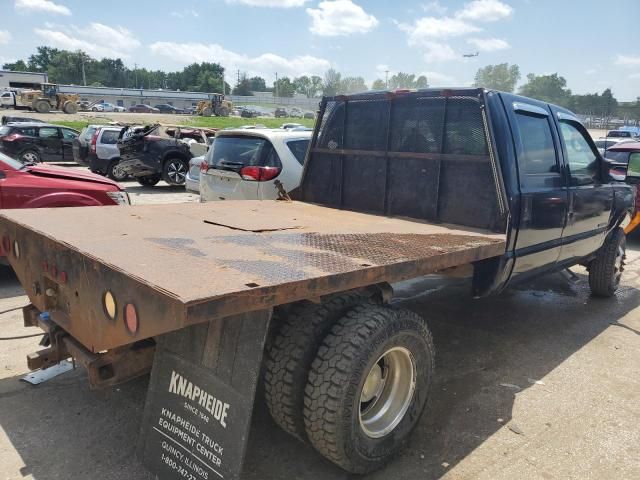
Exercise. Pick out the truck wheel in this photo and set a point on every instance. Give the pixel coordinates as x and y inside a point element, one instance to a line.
<point>207,112</point>
<point>290,353</point>
<point>605,271</point>
<point>368,386</point>
<point>223,112</point>
<point>174,171</point>
<point>30,156</point>
<point>114,172</point>
<point>148,181</point>
<point>42,106</point>
<point>70,107</point>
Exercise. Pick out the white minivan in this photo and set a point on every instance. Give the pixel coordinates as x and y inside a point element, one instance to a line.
<point>245,164</point>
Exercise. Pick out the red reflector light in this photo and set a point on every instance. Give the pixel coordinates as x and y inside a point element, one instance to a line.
<point>94,140</point>
<point>131,318</point>
<point>12,137</point>
<point>204,166</point>
<point>259,174</point>
<point>63,277</point>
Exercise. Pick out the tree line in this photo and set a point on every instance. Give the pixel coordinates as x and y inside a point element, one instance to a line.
<point>78,68</point>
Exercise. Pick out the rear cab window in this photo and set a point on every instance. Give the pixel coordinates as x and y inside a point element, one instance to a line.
<point>235,152</point>
<point>537,162</point>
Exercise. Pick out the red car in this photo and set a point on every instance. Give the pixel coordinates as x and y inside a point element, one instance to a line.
<point>37,186</point>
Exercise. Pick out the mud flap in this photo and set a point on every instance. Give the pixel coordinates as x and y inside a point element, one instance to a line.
<point>198,410</point>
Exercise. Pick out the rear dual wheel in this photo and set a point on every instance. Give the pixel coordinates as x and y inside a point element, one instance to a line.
<point>368,386</point>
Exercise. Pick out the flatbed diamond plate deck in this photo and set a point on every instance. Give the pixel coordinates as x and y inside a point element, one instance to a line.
<point>186,263</point>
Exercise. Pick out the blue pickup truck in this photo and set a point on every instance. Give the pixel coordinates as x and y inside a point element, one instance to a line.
<point>295,293</point>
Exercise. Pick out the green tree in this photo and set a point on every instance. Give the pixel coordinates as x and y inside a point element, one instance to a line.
<point>407,80</point>
<point>548,88</point>
<point>283,88</point>
<point>315,87</point>
<point>352,85</point>
<point>39,61</point>
<point>243,88</point>
<point>378,84</point>
<point>302,85</point>
<point>421,82</point>
<point>499,77</point>
<point>257,84</point>
<point>331,83</point>
<point>18,66</point>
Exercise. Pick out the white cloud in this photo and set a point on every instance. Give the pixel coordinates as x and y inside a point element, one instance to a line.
<point>262,65</point>
<point>340,17</point>
<point>96,39</point>
<point>628,60</point>
<point>426,29</point>
<point>488,44</point>
<point>270,3</point>
<point>187,13</point>
<point>41,6</point>
<point>633,76</point>
<point>5,36</point>
<point>437,79</point>
<point>434,7</point>
<point>485,11</point>
<point>438,52</point>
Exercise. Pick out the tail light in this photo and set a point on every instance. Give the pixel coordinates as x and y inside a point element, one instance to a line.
<point>12,137</point>
<point>94,140</point>
<point>204,166</point>
<point>259,174</point>
<point>131,318</point>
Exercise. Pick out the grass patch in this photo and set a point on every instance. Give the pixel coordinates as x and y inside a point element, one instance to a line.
<point>208,122</point>
<point>77,125</point>
<point>225,122</point>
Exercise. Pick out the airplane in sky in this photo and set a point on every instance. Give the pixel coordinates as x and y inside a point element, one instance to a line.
<point>469,55</point>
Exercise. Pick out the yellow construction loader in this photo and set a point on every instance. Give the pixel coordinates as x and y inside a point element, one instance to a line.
<point>47,99</point>
<point>217,105</point>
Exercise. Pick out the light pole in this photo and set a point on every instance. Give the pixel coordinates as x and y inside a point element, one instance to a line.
<point>386,79</point>
<point>277,96</point>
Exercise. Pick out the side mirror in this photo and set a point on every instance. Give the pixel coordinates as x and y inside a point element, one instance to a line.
<point>633,169</point>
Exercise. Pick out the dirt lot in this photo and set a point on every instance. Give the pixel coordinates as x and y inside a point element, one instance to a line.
<point>541,382</point>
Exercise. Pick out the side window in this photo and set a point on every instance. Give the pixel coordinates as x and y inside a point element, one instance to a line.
<point>581,159</point>
<point>299,149</point>
<point>27,131</point>
<point>48,132</point>
<point>69,134</point>
<point>538,164</point>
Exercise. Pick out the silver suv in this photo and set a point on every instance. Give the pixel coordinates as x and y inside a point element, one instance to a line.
<point>97,148</point>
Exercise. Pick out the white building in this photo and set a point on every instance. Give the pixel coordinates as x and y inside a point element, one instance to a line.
<point>127,97</point>
<point>10,80</point>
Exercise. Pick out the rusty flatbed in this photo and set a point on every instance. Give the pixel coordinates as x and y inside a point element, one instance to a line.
<point>186,264</point>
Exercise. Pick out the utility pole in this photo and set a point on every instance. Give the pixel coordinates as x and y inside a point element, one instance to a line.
<point>277,85</point>
<point>84,76</point>
<point>224,88</point>
<point>135,67</point>
<point>386,79</point>
<point>238,78</point>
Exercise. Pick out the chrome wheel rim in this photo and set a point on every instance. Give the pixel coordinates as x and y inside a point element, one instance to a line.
<point>118,173</point>
<point>618,265</point>
<point>387,392</point>
<point>30,157</point>
<point>177,172</point>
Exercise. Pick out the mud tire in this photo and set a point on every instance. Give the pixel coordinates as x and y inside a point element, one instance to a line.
<point>290,352</point>
<point>606,269</point>
<point>337,377</point>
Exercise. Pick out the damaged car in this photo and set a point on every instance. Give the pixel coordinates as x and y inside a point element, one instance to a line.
<point>161,152</point>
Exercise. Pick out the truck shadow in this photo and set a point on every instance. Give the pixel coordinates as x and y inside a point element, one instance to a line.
<point>61,429</point>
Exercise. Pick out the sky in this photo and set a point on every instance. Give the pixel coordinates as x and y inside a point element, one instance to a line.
<point>594,44</point>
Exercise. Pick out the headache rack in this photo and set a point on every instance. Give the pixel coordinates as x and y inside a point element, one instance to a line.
<point>424,154</point>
